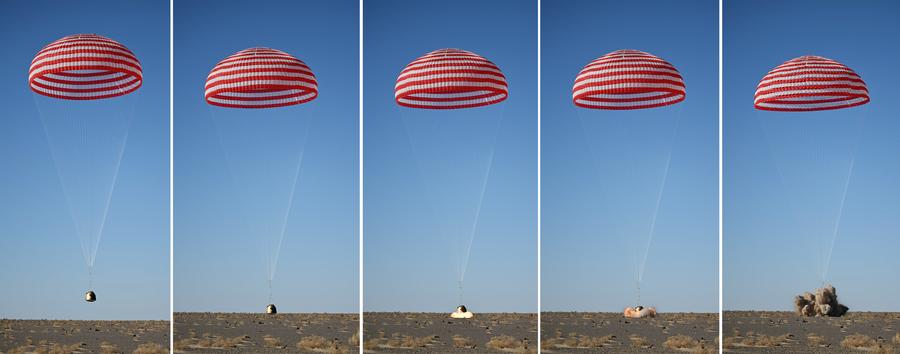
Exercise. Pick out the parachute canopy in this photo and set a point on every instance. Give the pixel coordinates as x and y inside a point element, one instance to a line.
<point>260,78</point>
<point>85,67</point>
<point>810,83</point>
<point>450,79</point>
<point>628,79</point>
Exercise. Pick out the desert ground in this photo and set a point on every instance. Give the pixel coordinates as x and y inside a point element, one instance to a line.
<point>262,333</point>
<point>603,332</point>
<point>63,337</point>
<point>391,332</point>
<point>786,332</point>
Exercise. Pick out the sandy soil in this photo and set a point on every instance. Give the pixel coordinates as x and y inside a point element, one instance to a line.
<point>61,336</point>
<point>261,333</point>
<point>592,332</point>
<point>438,333</point>
<point>785,332</point>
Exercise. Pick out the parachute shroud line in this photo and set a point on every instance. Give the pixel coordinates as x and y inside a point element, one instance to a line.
<point>473,81</point>
<point>627,80</point>
<point>87,139</point>
<point>809,84</point>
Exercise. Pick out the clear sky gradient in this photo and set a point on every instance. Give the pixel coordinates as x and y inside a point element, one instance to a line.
<point>424,169</point>
<point>44,274</point>
<point>602,170</point>
<point>771,221</point>
<point>226,206</point>
<point>427,222</point>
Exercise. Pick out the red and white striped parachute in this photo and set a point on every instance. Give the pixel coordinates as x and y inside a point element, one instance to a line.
<point>450,79</point>
<point>85,67</point>
<point>260,78</point>
<point>810,83</point>
<point>628,79</point>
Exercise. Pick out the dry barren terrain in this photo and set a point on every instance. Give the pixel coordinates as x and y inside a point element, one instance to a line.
<point>593,332</point>
<point>262,333</point>
<point>786,332</point>
<point>388,332</point>
<point>63,336</point>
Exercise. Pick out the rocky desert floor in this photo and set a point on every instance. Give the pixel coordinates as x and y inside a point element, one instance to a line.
<point>64,336</point>
<point>602,332</point>
<point>786,332</point>
<point>438,333</point>
<point>262,333</point>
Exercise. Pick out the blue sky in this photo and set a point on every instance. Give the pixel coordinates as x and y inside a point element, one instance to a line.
<point>423,169</point>
<point>42,260</point>
<point>595,216</point>
<point>230,194</point>
<point>772,222</point>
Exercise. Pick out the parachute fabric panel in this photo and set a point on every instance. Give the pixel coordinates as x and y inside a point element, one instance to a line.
<point>260,78</point>
<point>628,79</point>
<point>450,79</point>
<point>810,83</point>
<point>85,67</point>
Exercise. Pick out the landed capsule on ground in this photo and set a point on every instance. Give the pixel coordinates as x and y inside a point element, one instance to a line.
<point>639,312</point>
<point>461,312</point>
<point>271,309</point>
